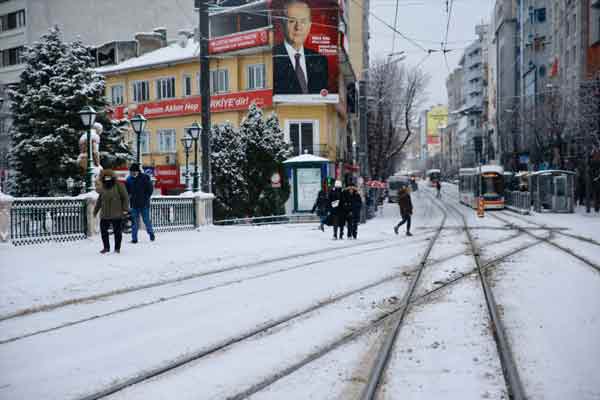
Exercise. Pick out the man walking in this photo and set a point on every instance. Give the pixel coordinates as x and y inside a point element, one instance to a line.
<point>139,187</point>
<point>355,206</point>
<point>336,197</point>
<point>322,206</point>
<point>438,187</point>
<point>406,210</point>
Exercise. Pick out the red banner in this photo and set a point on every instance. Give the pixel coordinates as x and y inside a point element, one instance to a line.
<point>238,41</point>
<point>433,140</point>
<point>191,105</point>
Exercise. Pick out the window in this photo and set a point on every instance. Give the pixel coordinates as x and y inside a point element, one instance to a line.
<point>165,88</point>
<point>219,81</point>
<point>187,85</point>
<point>116,95</point>
<point>255,76</point>
<point>301,137</point>
<point>574,54</point>
<point>540,15</point>
<point>12,20</point>
<point>166,141</point>
<point>11,56</point>
<point>144,142</point>
<point>141,91</point>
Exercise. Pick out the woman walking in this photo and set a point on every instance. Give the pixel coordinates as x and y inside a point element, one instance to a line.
<point>406,210</point>
<point>336,199</point>
<point>113,204</point>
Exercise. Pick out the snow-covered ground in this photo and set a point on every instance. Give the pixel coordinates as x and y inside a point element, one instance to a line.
<point>207,296</point>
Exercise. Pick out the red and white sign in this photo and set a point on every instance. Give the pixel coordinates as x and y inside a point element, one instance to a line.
<point>191,105</point>
<point>166,175</point>
<point>238,41</point>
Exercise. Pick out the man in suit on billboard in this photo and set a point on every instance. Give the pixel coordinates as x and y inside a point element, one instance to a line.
<point>298,70</point>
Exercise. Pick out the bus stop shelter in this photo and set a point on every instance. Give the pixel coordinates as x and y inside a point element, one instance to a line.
<point>306,174</point>
<point>553,191</point>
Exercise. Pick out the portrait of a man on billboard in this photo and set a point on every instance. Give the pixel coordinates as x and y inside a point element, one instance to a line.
<point>305,50</point>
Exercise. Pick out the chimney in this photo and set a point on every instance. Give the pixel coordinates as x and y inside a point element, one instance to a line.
<point>147,42</point>
<point>162,32</point>
<point>183,36</point>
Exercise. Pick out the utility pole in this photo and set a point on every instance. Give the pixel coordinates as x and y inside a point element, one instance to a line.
<point>203,30</point>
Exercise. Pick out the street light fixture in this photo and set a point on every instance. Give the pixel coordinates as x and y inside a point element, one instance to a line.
<point>187,145</point>
<point>70,185</point>
<point>88,117</point>
<point>138,123</point>
<point>194,132</point>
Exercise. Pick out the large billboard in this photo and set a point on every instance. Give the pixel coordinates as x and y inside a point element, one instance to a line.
<point>437,118</point>
<point>305,54</point>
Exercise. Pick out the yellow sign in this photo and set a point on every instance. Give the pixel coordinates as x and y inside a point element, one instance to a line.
<point>480,207</point>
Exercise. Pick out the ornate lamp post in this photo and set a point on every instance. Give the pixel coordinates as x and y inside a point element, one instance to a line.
<point>88,117</point>
<point>138,123</point>
<point>70,185</point>
<point>187,145</point>
<point>194,132</point>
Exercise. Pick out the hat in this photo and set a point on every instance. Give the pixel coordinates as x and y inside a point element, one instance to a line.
<point>338,184</point>
<point>135,167</point>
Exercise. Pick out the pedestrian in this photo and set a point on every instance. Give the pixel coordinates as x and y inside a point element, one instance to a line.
<point>406,210</point>
<point>113,205</point>
<point>139,187</point>
<point>355,209</point>
<point>322,206</point>
<point>338,212</point>
<point>596,192</point>
<point>438,188</point>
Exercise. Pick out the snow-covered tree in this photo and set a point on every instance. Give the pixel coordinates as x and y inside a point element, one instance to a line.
<point>243,162</point>
<point>58,81</point>
<point>228,162</point>
<point>114,151</point>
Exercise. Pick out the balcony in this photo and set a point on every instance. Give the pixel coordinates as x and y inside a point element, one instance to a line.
<point>319,150</point>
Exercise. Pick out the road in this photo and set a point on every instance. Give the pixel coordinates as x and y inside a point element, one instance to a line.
<point>286,312</point>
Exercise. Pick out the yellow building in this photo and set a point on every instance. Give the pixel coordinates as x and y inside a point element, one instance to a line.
<point>163,85</point>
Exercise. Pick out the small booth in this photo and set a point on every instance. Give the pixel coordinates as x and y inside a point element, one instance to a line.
<point>306,174</point>
<point>553,191</point>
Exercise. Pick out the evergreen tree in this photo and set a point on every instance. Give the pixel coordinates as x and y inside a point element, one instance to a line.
<point>243,162</point>
<point>228,162</point>
<point>114,151</point>
<point>58,81</point>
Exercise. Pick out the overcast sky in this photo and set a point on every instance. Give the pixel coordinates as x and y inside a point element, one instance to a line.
<point>425,21</point>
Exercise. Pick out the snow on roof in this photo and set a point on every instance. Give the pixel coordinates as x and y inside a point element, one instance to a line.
<point>492,168</point>
<point>305,158</point>
<point>170,54</point>
<point>552,172</point>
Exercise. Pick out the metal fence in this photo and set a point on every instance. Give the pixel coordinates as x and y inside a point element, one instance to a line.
<point>270,220</point>
<point>520,201</point>
<point>37,220</point>
<point>172,213</point>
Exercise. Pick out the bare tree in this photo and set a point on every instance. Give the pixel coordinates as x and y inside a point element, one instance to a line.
<point>396,93</point>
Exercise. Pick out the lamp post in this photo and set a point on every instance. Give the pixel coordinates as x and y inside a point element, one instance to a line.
<point>187,145</point>
<point>70,185</point>
<point>88,117</point>
<point>194,132</point>
<point>138,123</point>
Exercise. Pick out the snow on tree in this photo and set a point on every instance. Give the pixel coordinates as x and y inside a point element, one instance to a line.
<point>228,162</point>
<point>114,151</point>
<point>243,162</point>
<point>58,81</point>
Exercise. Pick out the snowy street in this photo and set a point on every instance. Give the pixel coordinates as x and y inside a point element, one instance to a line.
<point>284,312</point>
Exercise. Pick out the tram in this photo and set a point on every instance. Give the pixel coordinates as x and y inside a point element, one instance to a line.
<point>395,183</point>
<point>491,180</point>
<point>433,176</point>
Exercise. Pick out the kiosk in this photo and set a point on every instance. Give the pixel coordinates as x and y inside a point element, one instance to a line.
<point>553,191</point>
<point>306,174</point>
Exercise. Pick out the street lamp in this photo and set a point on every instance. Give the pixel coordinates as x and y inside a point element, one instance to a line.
<point>70,184</point>
<point>138,123</point>
<point>187,145</point>
<point>194,132</point>
<point>88,117</point>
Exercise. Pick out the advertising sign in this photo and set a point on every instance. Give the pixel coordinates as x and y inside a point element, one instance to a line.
<point>309,184</point>
<point>166,176</point>
<point>437,118</point>
<point>191,105</point>
<point>305,53</point>
<point>238,41</point>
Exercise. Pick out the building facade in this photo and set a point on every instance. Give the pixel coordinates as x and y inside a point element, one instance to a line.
<point>163,85</point>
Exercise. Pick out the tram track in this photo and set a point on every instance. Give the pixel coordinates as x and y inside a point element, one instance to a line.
<point>509,368</point>
<point>165,282</point>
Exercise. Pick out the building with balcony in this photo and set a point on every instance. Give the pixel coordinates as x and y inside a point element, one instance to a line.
<point>163,85</point>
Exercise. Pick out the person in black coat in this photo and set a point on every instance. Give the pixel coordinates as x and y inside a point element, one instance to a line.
<point>139,188</point>
<point>355,206</point>
<point>322,207</point>
<point>338,212</point>
<point>406,210</point>
<point>298,70</point>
